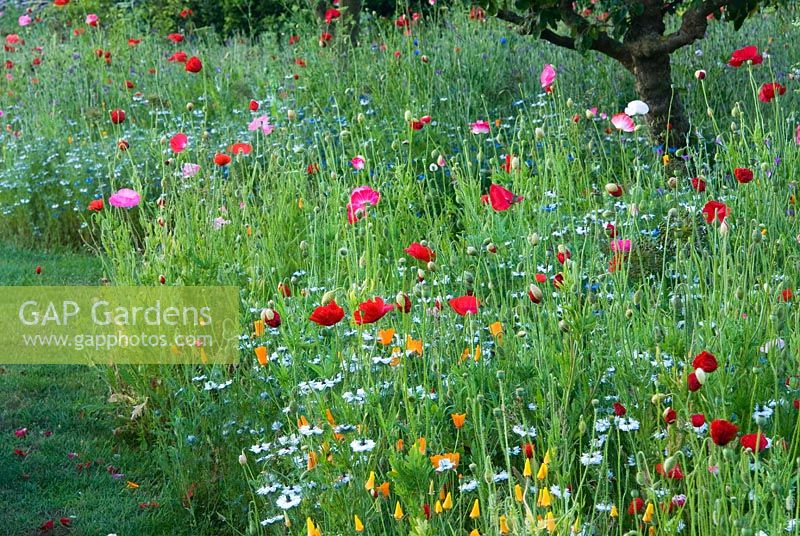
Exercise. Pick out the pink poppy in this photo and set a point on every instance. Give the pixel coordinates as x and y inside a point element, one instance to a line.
<point>92,19</point>
<point>361,198</point>
<point>547,77</point>
<point>621,246</point>
<point>479,127</point>
<point>190,170</point>
<point>261,123</point>
<point>24,20</point>
<point>358,162</point>
<point>797,135</point>
<point>124,198</point>
<point>623,122</point>
<point>178,142</point>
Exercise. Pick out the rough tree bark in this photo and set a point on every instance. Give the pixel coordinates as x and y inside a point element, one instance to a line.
<point>644,51</point>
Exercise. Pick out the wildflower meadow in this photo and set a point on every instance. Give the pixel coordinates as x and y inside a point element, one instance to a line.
<point>479,294</point>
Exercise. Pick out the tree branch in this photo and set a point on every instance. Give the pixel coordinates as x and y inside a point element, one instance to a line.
<point>693,26</point>
<point>603,43</point>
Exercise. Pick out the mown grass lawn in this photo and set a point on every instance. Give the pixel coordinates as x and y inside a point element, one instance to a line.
<point>69,463</point>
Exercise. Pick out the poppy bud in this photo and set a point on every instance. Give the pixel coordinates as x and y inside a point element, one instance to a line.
<point>162,279</point>
<point>534,239</point>
<point>420,274</point>
<point>535,293</point>
<point>440,161</point>
<point>242,459</point>
<point>672,182</point>
<point>629,313</point>
<point>342,252</point>
<point>724,228</point>
<point>472,251</point>
<point>515,163</point>
<point>328,297</point>
<point>700,74</point>
<point>291,115</point>
<point>431,266</point>
<point>709,112</point>
<point>407,116</point>
<point>613,189</point>
<point>539,133</point>
<point>734,126</point>
<point>522,334</point>
<point>360,117</point>
<point>469,279</point>
<point>582,426</point>
<point>563,326</point>
<point>633,209</point>
<point>189,106</point>
<point>491,248</point>
<point>637,297</point>
<point>160,221</point>
<point>123,145</point>
<point>700,374</point>
<point>657,398</point>
<point>739,293</point>
<point>570,102</point>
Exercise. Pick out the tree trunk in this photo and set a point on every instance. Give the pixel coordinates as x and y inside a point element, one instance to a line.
<point>667,118</point>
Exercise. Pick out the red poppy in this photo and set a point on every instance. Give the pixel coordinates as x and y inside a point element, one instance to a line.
<point>541,278</point>
<point>420,252</point>
<point>698,420</point>
<point>636,506</point>
<point>562,256</point>
<point>117,116</point>
<point>501,198</point>
<point>769,91</point>
<point>129,84</point>
<point>786,295</point>
<point>96,205</point>
<point>723,432</point>
<point>371,311</point>
<point>465,305</point>
<point>693,383</point>
<point>178,142</point>
<point>743,175</point>
<point>670,416</point>
<point>331,15</point>
<point>324,38</point>
<point>698,184</point>
<point>528,449</point>
<point>65,521</point>
<point>705,360</point>
<point>619,409</point>
<point>674,473</point>
<point>293,39</point>
<point>749,53</point>
<point>714,210</point>
<point>312,168</point>
<point>327,315</point>
<point>60,2</point>
<point>186,13</point>
<point>133,42</point>
<point>175,37</point>
<point>178,57</point>
<point>254,105</point>
<point>240,148</point>
<point>221,159</point>
<point>47,526</point>
<point>285,290</point>
<point>194,65</point>
<point>558,280</point>
<point>749,442</point>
